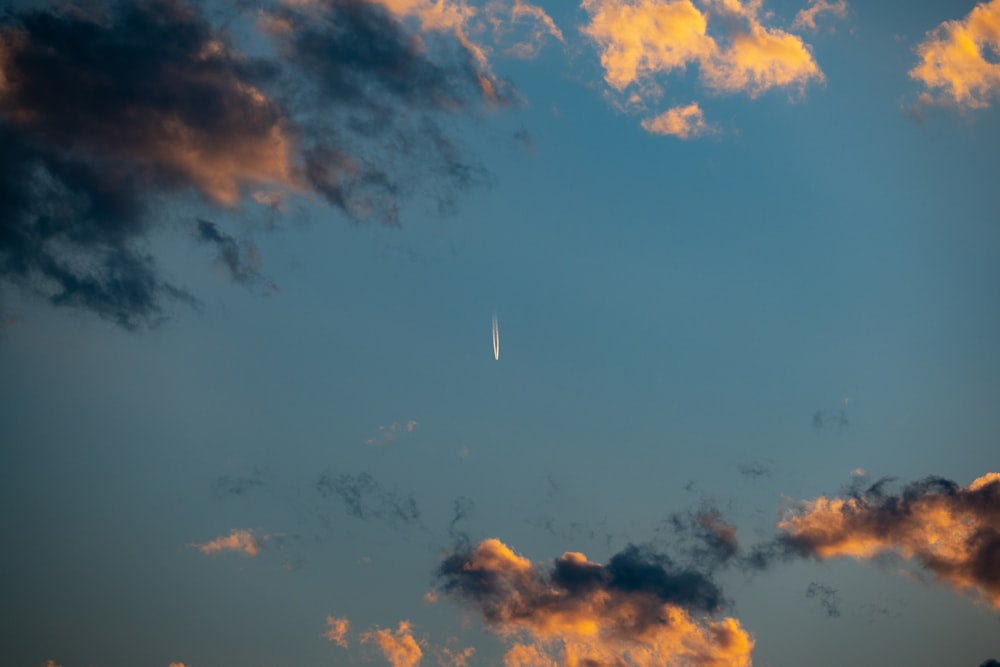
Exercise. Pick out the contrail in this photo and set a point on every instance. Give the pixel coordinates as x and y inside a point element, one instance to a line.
<point>496,338</point>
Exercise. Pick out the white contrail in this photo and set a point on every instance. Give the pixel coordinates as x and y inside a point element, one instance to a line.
<point>496,338</point>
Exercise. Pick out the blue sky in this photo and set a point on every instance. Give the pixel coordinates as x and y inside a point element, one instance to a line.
<point>789,305</point>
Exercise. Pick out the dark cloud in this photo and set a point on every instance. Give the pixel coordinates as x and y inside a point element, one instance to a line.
<point>461,508</point>
<point>704,536</point>
<point>950,531</point>
<point>754,470</point>
<point>633,571</point>
<point>827,598</point>
<point>110,112</point>
<point>363,497</point>
<point>576,611</point>
<point>990,663</point>
<point>240,258</point>
<point>361,67</point>
<point>523,142</point>
<point>826,418</point>
<point>238,485</point>
<point>98,114</point>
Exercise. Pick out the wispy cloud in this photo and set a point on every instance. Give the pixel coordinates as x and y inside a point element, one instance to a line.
<point>806,18</point>
<point>336,630</point>
<point>365,498</point>
<point>238,540</point>
<point>827,597</point>
<point>953,532</point>
<point>953,59</point>
<point>637,608</point>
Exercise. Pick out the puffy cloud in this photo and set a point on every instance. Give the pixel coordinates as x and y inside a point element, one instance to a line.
<point>953,59</point>
<point>951,531</point>
<point>399,648</point>
<point>108,113</point>
<point>684,122</point>
<point>641,40</point>
<point>806,18</point>
<point>242,541</point>
<point>337,629</point>
<point>638,609</point>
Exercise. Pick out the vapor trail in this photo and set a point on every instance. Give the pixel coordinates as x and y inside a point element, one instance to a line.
<point>496,338</point>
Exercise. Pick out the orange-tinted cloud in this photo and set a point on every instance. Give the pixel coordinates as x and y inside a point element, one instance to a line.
<point>951,531</point>
<point>640,38</point>
<point>449,657</point>
<point>244,140</point>
<point>806,18</point>
<point>684,122</point>
<point>953,59</point>
<point>242,541</point>
<point>635,610</point>
<point>640,41</point>
<point>337,629</point>
<point>399,648</point>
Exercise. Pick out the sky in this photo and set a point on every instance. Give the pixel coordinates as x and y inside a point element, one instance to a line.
<point>475,333</point>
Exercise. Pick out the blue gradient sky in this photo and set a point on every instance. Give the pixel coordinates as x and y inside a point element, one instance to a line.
<point>671,312</point>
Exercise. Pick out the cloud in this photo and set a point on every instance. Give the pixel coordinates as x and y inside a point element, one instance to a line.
<point>110,114</point>
<point>705,536</point>
<point>950,531</point>
<point>640,41</point>
<point>337,629</point>
<point>242,541</point>
<point>754,470</point>
<point>990,663</point>
<point>240,485</point>
<point>399,648</point>
<point>827,598</point>
<point>539,26</point>
<point>240,258</point>
<point>685,122</point>
<point>824,418</point>
<point>448,657</point>
<point>638,607</point>
<point>364,498</point>
<point>806,18</point>
<point>953,59</point>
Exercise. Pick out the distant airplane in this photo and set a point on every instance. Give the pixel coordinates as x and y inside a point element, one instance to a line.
<point>496,338</point>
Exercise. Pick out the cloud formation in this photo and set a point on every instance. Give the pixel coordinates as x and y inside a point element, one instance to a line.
<point>827,597</point>
<point>953,59</point>
<point>365,498</point>
<point>638,609</point>
<point>337,629</point>
<point>806,18</point>
<point>399,647</point>
<point>685,122</point>
<point>642,40</point>
<point>239,540</point>
<point>111,112</point>
<point>240,258</point>
<point>953,532</point>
